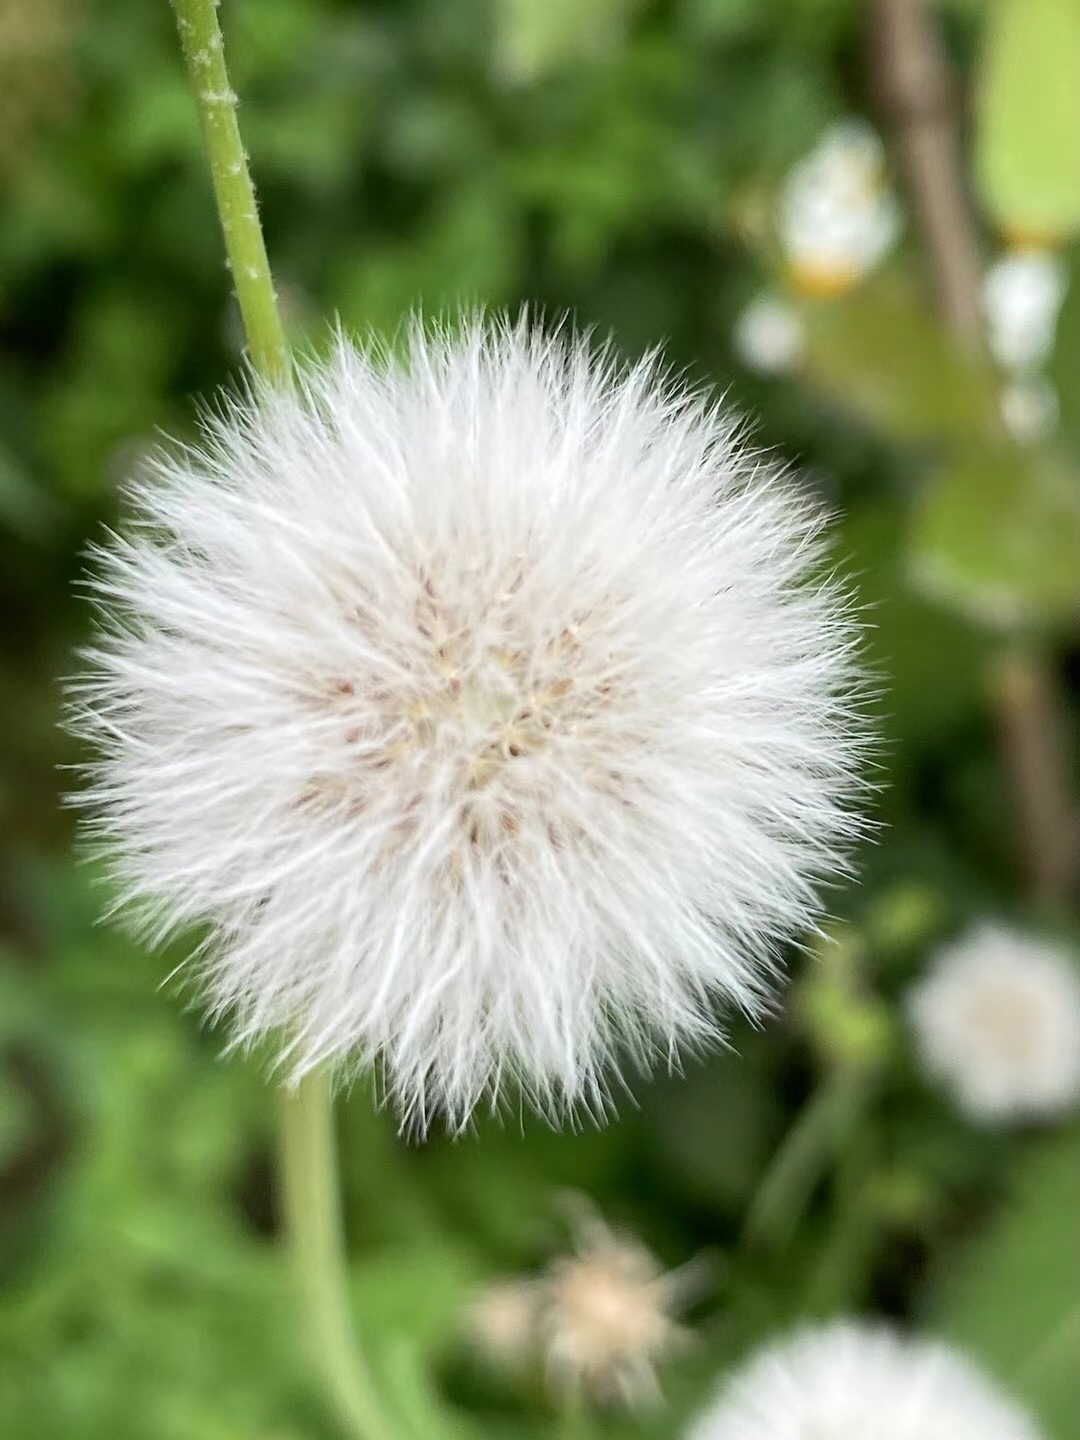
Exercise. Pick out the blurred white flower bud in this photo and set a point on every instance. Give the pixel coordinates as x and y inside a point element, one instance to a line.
<point>997,1022</point>
<point>769,336</point>
<point>1022,297</point>
<point>1029,408</point>
<point>838,219</point>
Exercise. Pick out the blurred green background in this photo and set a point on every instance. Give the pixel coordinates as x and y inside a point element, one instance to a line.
<point>620,160</point>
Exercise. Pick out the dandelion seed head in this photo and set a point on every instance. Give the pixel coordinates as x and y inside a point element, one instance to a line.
<point>607,1316</point>
<point>485,704</point>
<point>502,1320</point>
<point>852,1381</point>
<point>997,1022</point>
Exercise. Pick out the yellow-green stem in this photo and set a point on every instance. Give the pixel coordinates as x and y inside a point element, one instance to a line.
<point>313,1222</point>
<point>204,54</point>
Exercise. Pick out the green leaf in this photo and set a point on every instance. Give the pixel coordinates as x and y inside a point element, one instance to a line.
<point>26,508</point>
<point>1027,158</point>
<point>1011,1299</point>
<point>997,535</point>
<point>932,689</point>
<point>534,40</point>
<point>879,354</point>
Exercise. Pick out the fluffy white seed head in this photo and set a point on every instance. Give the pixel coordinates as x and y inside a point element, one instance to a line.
<point>484,704</point>
<point>850,1381</point>
<point>997,1022</point>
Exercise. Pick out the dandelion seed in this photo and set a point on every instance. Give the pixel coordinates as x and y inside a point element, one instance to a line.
<point>607,1317</point>
<point>997,1022</point>
<point>487,708</point>
<point>852,1381</point>
<point>502,1322</point>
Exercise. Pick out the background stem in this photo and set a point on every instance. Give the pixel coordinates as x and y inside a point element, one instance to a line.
<point>204,54</point>
<point>916,87</point>
<point>1032,736</point>
<point>313,1221</point>
<point>798,1165</point>
<point>915,84</point>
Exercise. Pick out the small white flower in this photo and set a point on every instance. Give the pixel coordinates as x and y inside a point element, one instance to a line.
<point>486,707</point>
<point>1030,408</point>
<point>769,336</point>
<point>852,1381</point>
<point>997,1021</point>
<point>838,219</point>
<point>1022,297</point>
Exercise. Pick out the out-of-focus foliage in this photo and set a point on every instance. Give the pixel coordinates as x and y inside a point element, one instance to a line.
<point>1029,175</point>
<point>612,161</point>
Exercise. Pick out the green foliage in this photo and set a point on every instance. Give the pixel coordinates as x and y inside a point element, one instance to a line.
<point>1009,1297</point>
<point>998,533</point>
<point>1029,102</point>
<point>880,354</point>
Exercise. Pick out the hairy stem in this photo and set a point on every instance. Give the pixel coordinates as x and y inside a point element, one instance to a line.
<point>204,54</point>
<point>313,1222</point>
<point>309,1154</point>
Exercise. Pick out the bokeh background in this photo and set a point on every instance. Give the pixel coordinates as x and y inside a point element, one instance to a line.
<point>631,163</point>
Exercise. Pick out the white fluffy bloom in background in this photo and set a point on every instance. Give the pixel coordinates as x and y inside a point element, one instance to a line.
<point>838,219</point>
<point>997,1022</point>
<point>768,336</point>
<point>1022,297</point>
<point>484,705</point>
<point>599,1321</point>
<point>851,1381</point>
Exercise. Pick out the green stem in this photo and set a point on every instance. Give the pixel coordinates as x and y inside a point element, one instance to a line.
<point>309,1152</point>
<point>798,1165</point>
<point>313,1220</point>
<point>204,54</point>
<point>852,1239</point>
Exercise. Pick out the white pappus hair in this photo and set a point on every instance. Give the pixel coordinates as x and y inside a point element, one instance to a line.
<point>847,1380</point>
<point>484,703</point>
